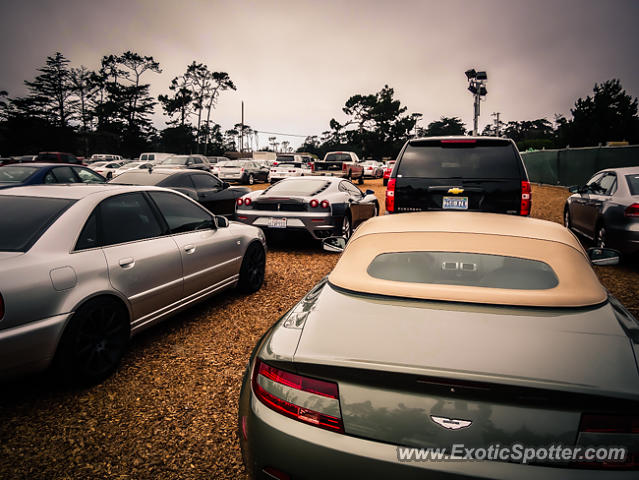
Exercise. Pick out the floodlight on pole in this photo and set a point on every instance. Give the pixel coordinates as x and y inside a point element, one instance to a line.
<point>477,86</point>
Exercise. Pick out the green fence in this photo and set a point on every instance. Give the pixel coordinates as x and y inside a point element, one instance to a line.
<point>574,166</point>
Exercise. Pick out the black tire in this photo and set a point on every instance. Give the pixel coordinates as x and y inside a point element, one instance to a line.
<point>93,342</point>
<point>109,175</point>
<point>385,182</point>
<point>360,180</point>
<point>252,269</point>
<point>600,236</point>
<point>567,220</point>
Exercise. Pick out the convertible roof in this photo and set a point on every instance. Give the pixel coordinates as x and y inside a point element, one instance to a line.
<point>471,232</point>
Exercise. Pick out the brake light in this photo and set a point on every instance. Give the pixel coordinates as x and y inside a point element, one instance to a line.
<point>312,165</point>
<point>632,210</point>
<point>240,202</point>
<point>314,203</point>
<point>247,202</point>
<point>242,170</point>
<point>460,140</point>
<point>390,195</point>
<point>526,198</point>
<point>624,430</point>
<point>325,204</point>
<point>277,389</point>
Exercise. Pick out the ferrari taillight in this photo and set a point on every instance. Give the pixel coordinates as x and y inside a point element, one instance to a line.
<point>240,202</point>
<point>325,204</point>
<point>390,196</point>
<point>308,400</point>
<point>314,203</point>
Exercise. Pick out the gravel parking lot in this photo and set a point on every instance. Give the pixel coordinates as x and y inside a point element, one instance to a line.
<point>170,410</point>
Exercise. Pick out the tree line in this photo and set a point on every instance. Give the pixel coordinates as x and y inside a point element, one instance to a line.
<point>108,110</point>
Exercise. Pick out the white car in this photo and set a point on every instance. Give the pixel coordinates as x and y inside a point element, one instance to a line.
<point>131,166</point>
<point>106,169</point>
<point>373,169</point>
<point>289,169</point>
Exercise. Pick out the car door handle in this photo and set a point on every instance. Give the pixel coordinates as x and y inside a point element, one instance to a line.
<point>127,262</point>
<point>189,249</point>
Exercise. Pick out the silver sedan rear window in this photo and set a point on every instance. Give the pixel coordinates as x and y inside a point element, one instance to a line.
<point>467,269</point>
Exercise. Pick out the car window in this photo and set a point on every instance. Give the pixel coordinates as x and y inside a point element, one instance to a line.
<point>338,157</point>
<point>607,184</point>
<point>179,181</point>
<point>181,214</point>
<point>205,181</point>
<point>351,189</point>
<point>466,269</point>
<point>24,219</point>
<point>633,184</point>
<point>430,159</point>
<point>89,236</point>
<point>64,175</point>
<point>297,186</point>
<point>594,179</point>
<point>87,176</point>
<point>50,178</point>
<point>126,218</point>
<point>16,174</point>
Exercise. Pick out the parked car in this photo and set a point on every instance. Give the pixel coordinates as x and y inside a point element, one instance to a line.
<point>213,160</point>
<point>388,168</point>
<point>85,268</point>
<point>22,159</point>
<point>373,169</point>
<point>606,209</point>
<point>106,169</point>
<point>131,166</point>
<point>104,157</point>
<point>487,330</point>
<point>288,169</point>
<point>459,173</point>
<point>244,170</point>
<point>18,174</point>
<point>195,161</point>
<point>56,157</point>
<point>154,157</point>
<point>323,206</point>
<point>202,187</point>
<point>293,158</point>
<point>340,164</point>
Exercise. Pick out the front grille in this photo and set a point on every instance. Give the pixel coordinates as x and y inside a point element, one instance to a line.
<point>280,207</point>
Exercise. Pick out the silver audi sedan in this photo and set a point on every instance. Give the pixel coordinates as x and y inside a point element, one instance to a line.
<point>84,267</point>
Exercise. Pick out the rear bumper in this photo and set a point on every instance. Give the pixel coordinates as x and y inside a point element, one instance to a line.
<point>624,238</point>
<point>319,225</point>
<point>31,347</point>
<point>304,451</point>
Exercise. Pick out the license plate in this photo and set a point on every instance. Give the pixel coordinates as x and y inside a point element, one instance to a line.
<point>455,203</point>
<point>277,222</point>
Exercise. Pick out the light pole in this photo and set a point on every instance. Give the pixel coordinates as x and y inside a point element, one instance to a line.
<point>477,86</point>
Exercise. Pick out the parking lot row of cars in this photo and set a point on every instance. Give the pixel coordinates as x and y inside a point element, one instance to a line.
<point>454,319</point>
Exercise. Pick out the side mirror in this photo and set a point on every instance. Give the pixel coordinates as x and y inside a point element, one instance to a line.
<point>574,189</point>
<point>221,222</point>
<point>225,185</point>
<point>603,256</point>
<point>334,244</point>
<point>370,192</point>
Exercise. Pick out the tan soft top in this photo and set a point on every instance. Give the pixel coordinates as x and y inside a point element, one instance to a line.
<point>471,232</point>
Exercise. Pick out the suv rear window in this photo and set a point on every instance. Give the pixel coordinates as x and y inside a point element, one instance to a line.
<point>488,159</point>
<point>338,157</point>
<point>633,184</point>
<point>467,269</point>
<point>25,219</point>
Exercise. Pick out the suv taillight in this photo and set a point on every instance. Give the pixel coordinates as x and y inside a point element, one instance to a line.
<point>390,196</point>
<point>526,198</point>
<point>279,390</point>
<point>632,210</point>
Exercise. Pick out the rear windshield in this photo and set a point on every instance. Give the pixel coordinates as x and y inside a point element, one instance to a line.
<point>290,165</point>
<point>467,269</point>
<point>285,158</point>
<point>139,177</point>
<point>298,187</point>
<point>488,160</point>
<point>338,157</point>
<point>633,184</point>
<point>15,174</point>
<point>25,219</point>
<point>175,161</point>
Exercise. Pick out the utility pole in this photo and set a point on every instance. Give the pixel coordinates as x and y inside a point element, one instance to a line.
<point>497,123</point>
<point>242,130</point>
<point>477,86</point>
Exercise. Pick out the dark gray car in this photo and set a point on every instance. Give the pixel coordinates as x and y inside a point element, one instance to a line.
<point>606,209</point>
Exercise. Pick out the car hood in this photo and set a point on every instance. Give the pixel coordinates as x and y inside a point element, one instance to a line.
<point>580,350</point>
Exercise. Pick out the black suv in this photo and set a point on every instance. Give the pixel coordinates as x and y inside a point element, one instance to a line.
<point>459,173</point>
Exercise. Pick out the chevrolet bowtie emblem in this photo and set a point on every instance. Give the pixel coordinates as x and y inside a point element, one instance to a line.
<point>455,190</point>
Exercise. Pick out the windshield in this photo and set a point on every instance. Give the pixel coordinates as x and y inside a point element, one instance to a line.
<point>298,187</point>
<point>139,177</point>
<point>16,174</point>
<point>175,160</point>
<point>25,219</point>
<point>289,165</point>
<point>468,269</point>
<point>228,164</point>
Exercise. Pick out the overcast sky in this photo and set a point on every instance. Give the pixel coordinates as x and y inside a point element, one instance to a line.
<point>296,62</point>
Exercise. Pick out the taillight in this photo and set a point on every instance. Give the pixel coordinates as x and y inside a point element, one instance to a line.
<point>325,204</point>
<point>312,165</point>
<point>459,140</point>
<point>240,202</point>
<point>632,210</point>
<point>1,307</point>
<point>621,430</point>
<point>279,390</point>
<point>314,203</point>
<point>247,202</point>
<point>390,195</point>
<point>526,198</point>
<point>242,170</point>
